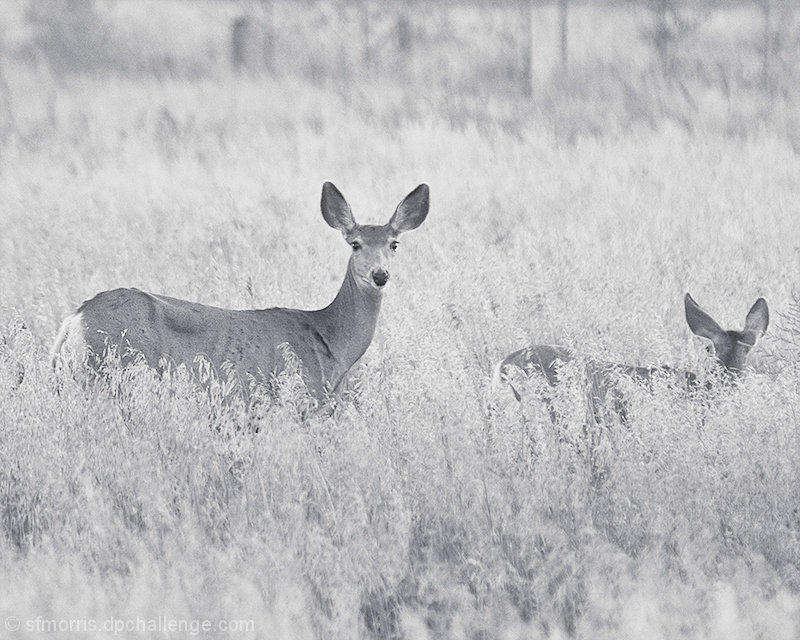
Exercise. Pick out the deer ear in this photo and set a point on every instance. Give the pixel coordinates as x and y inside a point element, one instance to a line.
<point>412,211</point>
<point>700,322</point>
<point>335,209</point>
<point>757,318</point>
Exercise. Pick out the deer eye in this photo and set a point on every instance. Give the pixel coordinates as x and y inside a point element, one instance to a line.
<point>356,245</point>
<point>393,245</point>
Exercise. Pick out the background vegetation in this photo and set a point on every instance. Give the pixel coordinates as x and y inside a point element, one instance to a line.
<point>432,508</point>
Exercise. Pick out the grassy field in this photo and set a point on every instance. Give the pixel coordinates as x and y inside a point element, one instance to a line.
<point>431,508</point>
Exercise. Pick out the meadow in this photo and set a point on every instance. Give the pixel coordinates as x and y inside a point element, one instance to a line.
<point>427,505</point>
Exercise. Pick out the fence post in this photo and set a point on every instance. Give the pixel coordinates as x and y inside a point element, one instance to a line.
<point>563,11</point>
<point>239,30</point>
<point>366,26</point>
<point>252,41</point>
<point>268,32</point>
<point>527,62</point>
<point>403,32</point>
<point>766,9</point>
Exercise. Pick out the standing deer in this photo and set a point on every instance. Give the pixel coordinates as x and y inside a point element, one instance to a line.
<point>729,348</point>
<point>327,342</point>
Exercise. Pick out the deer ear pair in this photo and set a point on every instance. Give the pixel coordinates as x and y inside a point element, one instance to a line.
<point>703,325</point>
<point>410,213</point>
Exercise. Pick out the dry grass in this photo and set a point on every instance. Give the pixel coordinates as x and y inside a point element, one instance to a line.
<point>417,510</point>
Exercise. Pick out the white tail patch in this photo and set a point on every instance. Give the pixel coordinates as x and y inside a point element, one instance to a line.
<point>70,347</point>
<point>497,376</point>
<point>501,381</point>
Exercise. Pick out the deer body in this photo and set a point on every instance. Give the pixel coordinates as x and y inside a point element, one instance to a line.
<point>327,341</point>
<point>545,359</point>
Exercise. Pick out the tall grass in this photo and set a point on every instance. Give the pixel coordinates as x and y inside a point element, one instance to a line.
<point>427,507</point>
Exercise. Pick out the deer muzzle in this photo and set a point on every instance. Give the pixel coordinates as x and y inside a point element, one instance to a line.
<point>380,277</point>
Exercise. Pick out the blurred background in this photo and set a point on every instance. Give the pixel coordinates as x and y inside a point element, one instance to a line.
<point>585,66</point>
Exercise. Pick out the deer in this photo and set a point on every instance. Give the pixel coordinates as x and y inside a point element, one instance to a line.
<point>168,332</point>
<point>728,348</point>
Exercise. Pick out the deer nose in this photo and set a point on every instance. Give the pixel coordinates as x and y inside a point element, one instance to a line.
<point>380,277</point>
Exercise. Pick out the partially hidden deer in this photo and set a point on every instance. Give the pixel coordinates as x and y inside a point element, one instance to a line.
<point>729,348</point>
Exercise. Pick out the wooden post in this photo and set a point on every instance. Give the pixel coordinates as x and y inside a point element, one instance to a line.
<point>563,11</point>
<point>252,42</point>
<point>527,62</point>
<point>367,29</point>
<point>238,30</point>
<point>403,32</point>
<point>268,32</point>
<point>663,36</point>
<point>766,8</point>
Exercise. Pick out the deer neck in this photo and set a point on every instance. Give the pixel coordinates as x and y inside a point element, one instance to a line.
<point>348,323</point>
